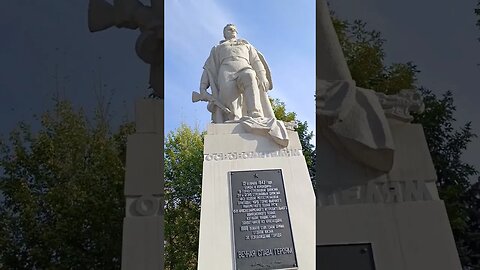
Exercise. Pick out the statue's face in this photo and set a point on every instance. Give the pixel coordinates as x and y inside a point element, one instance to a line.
<point>230,32</point>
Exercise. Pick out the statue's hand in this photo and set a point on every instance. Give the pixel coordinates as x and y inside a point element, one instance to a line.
<point>265,84</point>
<point>205,95</point>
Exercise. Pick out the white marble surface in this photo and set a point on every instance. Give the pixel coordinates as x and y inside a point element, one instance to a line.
<point>216,245</point>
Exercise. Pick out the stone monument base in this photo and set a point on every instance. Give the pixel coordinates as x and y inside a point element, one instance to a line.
<point>371,220</point>
<point>272,202</point>
<point>396,236</point>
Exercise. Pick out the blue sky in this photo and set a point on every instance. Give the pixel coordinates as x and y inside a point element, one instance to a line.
<point>286,39</point>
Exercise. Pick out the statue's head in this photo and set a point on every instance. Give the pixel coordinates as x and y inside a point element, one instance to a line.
<point>230,31</point>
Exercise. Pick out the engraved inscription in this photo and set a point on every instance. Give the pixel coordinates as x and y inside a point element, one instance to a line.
<point>251,154</point>
<point>260,200</point>
<point>382,192</point>
<point>261,224</point>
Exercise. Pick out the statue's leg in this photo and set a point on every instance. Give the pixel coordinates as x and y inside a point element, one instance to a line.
<point>251,92</point>
<point>217,113</point>
<point>218,116</point>
<point>229,96</point>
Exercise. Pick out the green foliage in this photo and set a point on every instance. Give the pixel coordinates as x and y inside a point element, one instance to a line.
<point>363,50</point>
<point>280,111</point>
<point>308,148</point>
<point>63,193</point>
<point>183,182</point>
<point>304,134</point>
<point>62,188</point>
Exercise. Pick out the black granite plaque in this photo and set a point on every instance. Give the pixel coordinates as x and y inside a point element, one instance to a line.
<point>261,223</point>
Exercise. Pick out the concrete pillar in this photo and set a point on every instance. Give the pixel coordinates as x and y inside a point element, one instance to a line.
<point>143,236</point>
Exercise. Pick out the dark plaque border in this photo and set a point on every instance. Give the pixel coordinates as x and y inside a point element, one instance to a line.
<point>261,227</point>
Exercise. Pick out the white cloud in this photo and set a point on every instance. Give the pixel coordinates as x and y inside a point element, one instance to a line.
<point>192,27</point>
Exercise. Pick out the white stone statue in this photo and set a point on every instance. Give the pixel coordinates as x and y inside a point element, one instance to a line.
<point>239,79</point>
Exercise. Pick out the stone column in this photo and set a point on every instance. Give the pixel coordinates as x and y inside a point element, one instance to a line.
<point>143,237</point>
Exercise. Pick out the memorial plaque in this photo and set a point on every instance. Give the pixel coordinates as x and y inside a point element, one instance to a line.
<point>261,224</point>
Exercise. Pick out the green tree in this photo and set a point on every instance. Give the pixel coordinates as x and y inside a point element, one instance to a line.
<point>62,188</point>
<point>461,197</point>
<point>183,183</point>
<point>364,53</point>
<point>63,193</point>
<point>305,136</point>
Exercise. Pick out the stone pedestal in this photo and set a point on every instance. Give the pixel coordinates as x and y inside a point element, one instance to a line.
<point>395,220</point>
<point>143,238</point>
<point>230,149</point>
